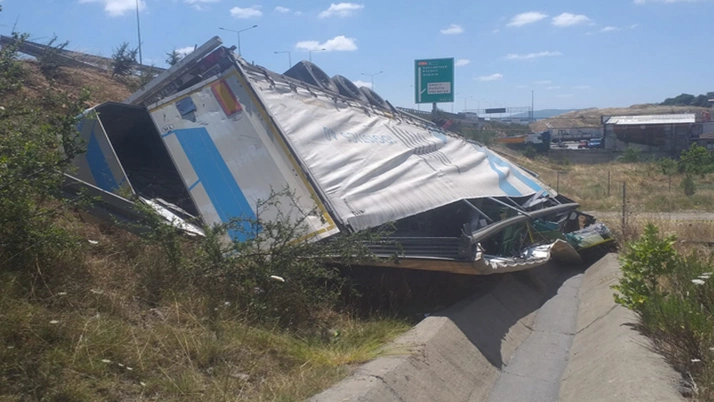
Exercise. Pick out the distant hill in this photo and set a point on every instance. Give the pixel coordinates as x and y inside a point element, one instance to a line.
<point>591,117</point>
<point>689,100</point>
<point>543,114</point>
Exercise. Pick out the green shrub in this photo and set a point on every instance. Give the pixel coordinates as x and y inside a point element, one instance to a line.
<point>38,141</point>
<point>668,166</point>
<point>689,186</point>
<point>276,275</point>
<point>643,262</point>
<point>124,60</point>
<point>49,59</point>
<point>631,155</point>
<point>696,160</point>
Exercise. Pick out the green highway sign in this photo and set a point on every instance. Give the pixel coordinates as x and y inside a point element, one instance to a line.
<point>434,80</point>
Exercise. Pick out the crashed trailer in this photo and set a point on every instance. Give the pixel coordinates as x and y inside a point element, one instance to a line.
<point>212,135</point>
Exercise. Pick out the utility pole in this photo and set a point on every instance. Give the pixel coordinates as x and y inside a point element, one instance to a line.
<point>532,104</point>
<point>138,31</point>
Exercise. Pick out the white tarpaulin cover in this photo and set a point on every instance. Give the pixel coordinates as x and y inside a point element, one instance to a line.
<point>375,168</point>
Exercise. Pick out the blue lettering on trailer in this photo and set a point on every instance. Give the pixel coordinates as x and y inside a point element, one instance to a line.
<point>220,185</point>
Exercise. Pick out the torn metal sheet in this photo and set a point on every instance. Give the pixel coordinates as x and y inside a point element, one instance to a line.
<point>213,136</point>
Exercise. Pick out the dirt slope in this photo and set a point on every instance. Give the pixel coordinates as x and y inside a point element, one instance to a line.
<point>102,87</point>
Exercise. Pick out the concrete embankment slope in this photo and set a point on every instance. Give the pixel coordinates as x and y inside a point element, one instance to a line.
<point>552,333</point>
<point>609,359</point>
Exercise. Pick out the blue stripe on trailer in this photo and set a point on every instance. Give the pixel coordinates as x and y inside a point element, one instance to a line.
<point>218,182</point>
<point>97,161</point>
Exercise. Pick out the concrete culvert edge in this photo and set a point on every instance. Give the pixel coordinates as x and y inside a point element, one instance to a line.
<point>551,333</point>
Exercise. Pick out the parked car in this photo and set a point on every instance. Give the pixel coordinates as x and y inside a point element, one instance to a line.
<point>595,143</point>
<point>583,145</point>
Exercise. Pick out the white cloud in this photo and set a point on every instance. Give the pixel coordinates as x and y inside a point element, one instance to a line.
<point>198,4</point>
<point>282,9</point>
<point>568,20</point>
<point>495,31</point>
<point>581,87</point>
<point>610,29</point>
<point>117,8</point>
<point>492,77</point>
<point>526,18</point>
<point>462,62</point>
<point>362,84</point>
<point>185,50</point>
<point>530,56</point>
<point>337,44</point>
<point>453,29</point>
<point>243,13</point>
<point>565,95</point>
<point>634,26</point>
<point>543,82</point>
<point>552,87</point>
<point>298,12</point>
<point>341,10</point>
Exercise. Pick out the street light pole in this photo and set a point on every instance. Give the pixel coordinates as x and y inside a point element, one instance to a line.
<point>138,31</point>
<point>371,76</point>
<point>309,53</point>
<point>290,60</point>
<point>238,34</point>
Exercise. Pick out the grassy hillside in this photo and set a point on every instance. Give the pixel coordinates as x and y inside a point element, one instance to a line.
<point>90,312</point>
<point>591,117</point>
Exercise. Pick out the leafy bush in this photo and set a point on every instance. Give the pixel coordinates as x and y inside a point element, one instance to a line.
<point>38,141</point>
<point>688,185</point>
<point>124,60</point>
<point>696,160</point>
<point>631,155</point>
<point>49,60</point>
<point>276,275</point>
<point>668,166</point>
<point>673,296</point>
<point>643,262</point>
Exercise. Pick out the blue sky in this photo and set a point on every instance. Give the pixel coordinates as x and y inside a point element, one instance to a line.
<point>572,54</point>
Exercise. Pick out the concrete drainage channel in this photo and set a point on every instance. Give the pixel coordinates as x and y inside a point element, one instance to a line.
<point>548,334</point>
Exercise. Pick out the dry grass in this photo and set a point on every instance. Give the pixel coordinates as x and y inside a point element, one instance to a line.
<point>102,87</point>
<point>648,190</point>
<point>84,331</point>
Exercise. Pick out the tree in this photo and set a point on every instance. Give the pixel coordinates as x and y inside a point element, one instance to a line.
<point>173,57</point>
<point>124,60</point>
<point>38,141</point>
<point>49,60</point>
<point>696,161</point>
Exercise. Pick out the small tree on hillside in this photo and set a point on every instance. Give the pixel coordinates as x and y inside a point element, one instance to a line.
<point>49,60</point>
<point>173,57</point>
<point>124,60</point>
<point>696,161</point>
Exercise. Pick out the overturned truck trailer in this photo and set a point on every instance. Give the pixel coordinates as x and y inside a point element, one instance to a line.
<point>212,135</point>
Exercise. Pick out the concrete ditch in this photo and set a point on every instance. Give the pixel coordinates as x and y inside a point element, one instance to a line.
<point>547,334</point>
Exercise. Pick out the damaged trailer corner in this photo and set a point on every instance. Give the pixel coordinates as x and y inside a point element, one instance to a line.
<point>213,135</point>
